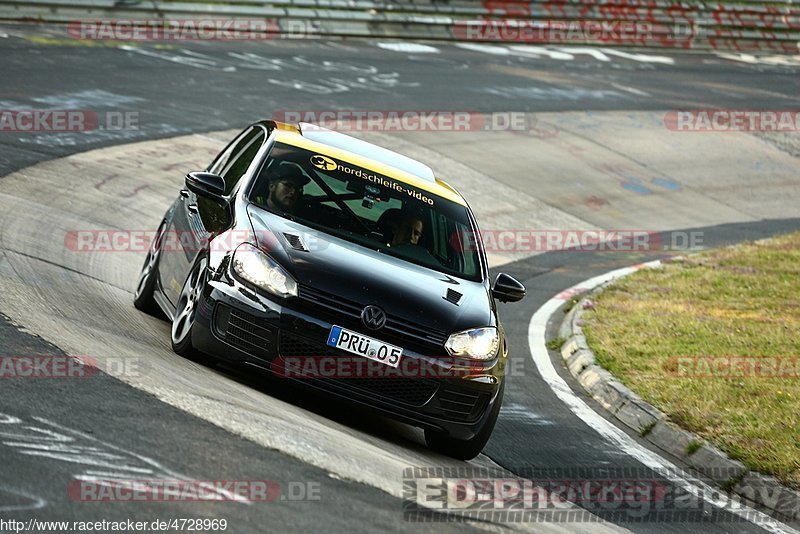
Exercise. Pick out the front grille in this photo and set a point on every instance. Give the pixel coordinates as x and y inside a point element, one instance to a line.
<point>326,301</point>
<point>462,405</point>
<point>244,331</point>
<point>411,391</point>
<point>339,306</point>
<point>422,333</point>
<point>294,346</point>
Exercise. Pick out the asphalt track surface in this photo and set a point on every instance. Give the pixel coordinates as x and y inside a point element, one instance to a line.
<point>82,306</point>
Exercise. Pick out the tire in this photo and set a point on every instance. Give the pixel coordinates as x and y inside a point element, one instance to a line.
<point>185,311</point>
<point>466,449</point>
<point>146,285</point>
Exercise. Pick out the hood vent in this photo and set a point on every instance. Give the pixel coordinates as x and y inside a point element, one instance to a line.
<point>296,242</point>
<point>453,296</point>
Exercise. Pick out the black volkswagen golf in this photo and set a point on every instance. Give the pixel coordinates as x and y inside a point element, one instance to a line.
<point>341,266</point>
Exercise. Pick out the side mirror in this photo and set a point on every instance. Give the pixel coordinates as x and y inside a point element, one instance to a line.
<point>506,288</point>
<point>206,184</point>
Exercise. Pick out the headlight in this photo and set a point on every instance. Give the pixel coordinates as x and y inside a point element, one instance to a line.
<point>478,343</point>
<point>254,266</point>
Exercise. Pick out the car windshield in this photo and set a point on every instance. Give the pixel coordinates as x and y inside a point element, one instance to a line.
<point>368,209</point>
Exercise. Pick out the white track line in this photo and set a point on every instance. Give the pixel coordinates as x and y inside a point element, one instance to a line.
<point>536,341</point>
<point>409,48</point>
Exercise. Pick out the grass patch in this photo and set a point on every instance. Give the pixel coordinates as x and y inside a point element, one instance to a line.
<point>571,304</point>
<point>693,446</point>
<point>555,343</point>
<point>646,429</point>
<point>732,482</point>
<point>714,342</point>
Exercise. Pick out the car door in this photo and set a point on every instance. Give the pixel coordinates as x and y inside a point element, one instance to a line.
<point>195,219</point>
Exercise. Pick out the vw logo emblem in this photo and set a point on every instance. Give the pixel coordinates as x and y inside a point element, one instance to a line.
<point>373,317</point>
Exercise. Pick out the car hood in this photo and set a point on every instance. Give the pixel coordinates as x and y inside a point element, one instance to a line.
<point>355,273</point>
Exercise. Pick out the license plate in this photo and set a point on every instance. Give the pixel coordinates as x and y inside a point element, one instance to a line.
<point>365,346</point>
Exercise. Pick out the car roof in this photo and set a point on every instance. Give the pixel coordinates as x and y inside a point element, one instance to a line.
<point>367,150</point>
<point>364,154</point>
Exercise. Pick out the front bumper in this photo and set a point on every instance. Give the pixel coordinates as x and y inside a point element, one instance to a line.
<point>237,324</point>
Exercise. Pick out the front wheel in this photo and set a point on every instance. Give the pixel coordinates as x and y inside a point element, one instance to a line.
<point>187,308</point>
<point>146,284</point>
<point>466,449</point>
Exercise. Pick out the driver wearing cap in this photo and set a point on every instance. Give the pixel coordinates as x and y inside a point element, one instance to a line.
<point>285,188</point>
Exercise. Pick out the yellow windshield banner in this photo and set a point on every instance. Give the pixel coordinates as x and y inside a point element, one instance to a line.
<point>330,158</point>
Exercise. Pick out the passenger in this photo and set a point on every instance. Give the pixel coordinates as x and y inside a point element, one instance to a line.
<point>407,230</point>
<point>407,233</point>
